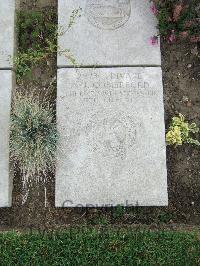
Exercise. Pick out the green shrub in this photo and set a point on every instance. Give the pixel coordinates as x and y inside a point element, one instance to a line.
<point>33,137</point>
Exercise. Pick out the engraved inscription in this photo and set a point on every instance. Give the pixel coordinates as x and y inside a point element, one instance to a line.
<point>103,127</point>
<point>117,87</point>
<point>108,14</point>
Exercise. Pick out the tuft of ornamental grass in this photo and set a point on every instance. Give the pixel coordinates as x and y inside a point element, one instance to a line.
<point>33,136</point>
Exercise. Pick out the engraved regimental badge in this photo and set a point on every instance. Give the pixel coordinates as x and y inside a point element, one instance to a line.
<point>108,14</point>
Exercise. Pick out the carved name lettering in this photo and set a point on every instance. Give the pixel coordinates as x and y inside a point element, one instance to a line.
<point>117,87</point>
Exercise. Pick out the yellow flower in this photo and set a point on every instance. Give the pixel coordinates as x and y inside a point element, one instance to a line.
<point>179,132</point>
<point>174,136</point>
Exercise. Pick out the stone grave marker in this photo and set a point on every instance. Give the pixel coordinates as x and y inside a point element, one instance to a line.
<point>6,84</point>
<point>7,49</point>
<point>7,32</point>
<point>110,109</point>
<point>112,131</point>
<point>108,33</point>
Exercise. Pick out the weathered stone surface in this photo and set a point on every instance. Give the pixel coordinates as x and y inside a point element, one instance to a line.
<point>108,33</point>
<point>7,32</point>
<point>6,81</point>
<point>112,137</point>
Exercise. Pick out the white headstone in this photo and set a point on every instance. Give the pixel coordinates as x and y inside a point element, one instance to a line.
<point>108,33</point>
<point>7,32</point>
<point>6,83</point>
<point>112,137</point>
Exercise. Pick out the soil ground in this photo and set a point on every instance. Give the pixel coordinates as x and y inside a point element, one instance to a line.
<point>181,77</point>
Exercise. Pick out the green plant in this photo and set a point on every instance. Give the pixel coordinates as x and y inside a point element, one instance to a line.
<point>76,13</point>
<point>179,132</point>
<point>118,211</point>
<point>24,62</point>
<point>34,136</point>
<point>37,40</point>
<point>35,27</point>
<point>164,217</point>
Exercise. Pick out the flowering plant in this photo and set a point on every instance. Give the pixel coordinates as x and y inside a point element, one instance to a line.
<point>179,132</point>
<point>177,20</point>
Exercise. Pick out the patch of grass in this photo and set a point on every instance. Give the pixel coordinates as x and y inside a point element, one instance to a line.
<point>100,247</point>
<point>33,137</point>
